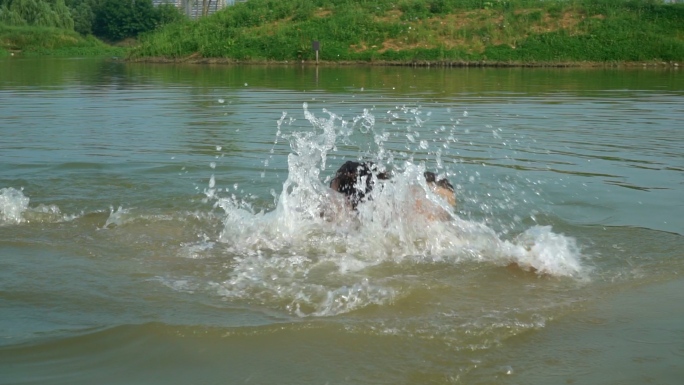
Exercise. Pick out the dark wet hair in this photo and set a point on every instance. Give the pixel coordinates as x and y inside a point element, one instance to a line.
<point>430,177</point>
<point>349,173</point>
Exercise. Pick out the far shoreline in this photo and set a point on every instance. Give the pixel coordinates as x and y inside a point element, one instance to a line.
<point>419,63</point>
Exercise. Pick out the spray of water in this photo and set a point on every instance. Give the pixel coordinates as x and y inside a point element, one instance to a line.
<point>310,252</point>
<point>15,209</point>
<point>13,204</point>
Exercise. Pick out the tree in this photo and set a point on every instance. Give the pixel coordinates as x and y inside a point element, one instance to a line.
<point>168,13</point>
<point>116,20</point>
<point>10,16</point>
<point>83,16</point>
<point>44,13</point>
<point>27,10</point>
<point>112,19</point>
<point>44,16</point>
<point>63,17</point>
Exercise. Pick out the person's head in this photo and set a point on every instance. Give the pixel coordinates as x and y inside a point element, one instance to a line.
<point>355,180</point>
<point>441,187</point>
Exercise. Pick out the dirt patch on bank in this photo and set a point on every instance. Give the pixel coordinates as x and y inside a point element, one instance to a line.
<point>471,31</point>
<point>321,12</point>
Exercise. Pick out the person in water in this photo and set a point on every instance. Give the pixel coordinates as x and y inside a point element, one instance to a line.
<point>441,187</point>
<point>354,181</point>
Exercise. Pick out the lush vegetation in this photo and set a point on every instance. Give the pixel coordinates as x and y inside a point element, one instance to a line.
<point>42,41</point>
<point>56,27</point>
<point>115,20</point>
<point>446,31</point>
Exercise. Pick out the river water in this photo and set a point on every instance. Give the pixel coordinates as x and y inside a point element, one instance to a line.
<point>160,224</point>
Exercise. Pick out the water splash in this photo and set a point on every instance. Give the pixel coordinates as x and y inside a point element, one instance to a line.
<point>314,263</point>
<point>13,204</point>
<point>15,209</point>
<point>118,217</point>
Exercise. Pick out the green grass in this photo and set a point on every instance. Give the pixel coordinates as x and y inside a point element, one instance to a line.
<point>45,41</point>
<point>512,31</point>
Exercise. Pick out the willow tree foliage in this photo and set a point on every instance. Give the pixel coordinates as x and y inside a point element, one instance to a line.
<point>111,20</point>
<point>10,17</point>
<point>43,13</point>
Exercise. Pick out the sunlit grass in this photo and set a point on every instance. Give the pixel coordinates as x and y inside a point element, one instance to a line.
<point>46,41</point>
<point>429,30</point>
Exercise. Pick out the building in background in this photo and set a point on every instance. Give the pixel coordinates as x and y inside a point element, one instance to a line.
<point>195,9</point>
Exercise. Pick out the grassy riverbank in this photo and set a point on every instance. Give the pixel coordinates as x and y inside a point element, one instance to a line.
<point>428,31</point>
<point>47,41</point>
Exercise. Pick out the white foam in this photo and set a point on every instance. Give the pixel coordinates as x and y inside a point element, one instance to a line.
<point>540,249</point>
<point>13,204</point>
<point>15,209</point>
<point>196,250</point>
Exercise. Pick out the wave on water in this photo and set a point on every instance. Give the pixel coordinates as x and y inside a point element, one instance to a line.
<point>15,209</point>
<point>314,265</point>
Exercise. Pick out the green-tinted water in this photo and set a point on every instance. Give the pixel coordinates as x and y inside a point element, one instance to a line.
<point>159,224</point>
